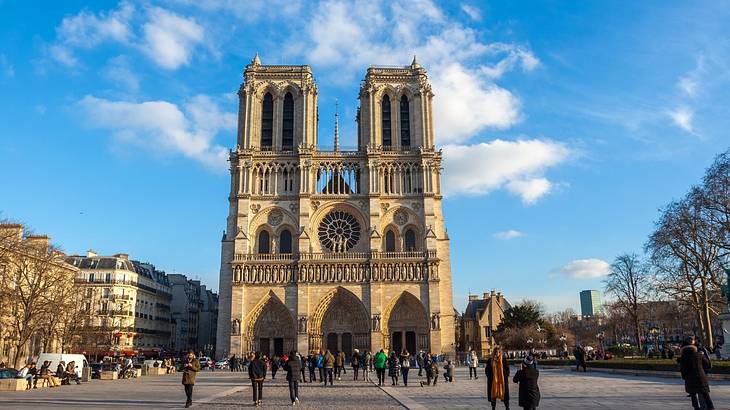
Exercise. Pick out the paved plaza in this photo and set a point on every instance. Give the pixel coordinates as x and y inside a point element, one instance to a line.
<point>560,388</point>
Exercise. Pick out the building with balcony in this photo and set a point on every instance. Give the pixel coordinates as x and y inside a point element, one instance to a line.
<point>185,308</point>
<point>126,305</point>
<point>337,249</point>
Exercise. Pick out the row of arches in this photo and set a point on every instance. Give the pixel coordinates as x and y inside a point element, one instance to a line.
<point>394,242</point>
<point>340,322</point>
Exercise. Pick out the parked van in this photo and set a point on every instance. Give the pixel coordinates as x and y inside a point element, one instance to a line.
<point>55,358</point>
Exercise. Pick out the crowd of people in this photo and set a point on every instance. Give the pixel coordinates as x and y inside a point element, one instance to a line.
<point>63,375</point>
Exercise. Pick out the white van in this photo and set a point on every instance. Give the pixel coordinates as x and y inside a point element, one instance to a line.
<point>56,358</point>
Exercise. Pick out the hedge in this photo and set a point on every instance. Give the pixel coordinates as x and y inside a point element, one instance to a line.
<point>718,366</point>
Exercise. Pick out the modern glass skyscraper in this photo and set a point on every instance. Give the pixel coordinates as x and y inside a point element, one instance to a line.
<point>590,302</point>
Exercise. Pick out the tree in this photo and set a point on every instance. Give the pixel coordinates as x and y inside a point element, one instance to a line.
<point>629,282</point>
<point>527,313</point>
<point>687,249</point>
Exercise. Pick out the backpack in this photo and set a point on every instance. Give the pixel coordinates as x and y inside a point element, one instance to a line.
<point>406,363</point>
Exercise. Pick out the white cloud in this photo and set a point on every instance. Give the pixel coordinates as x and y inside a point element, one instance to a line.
<point>6,68</point>
<point>161,126</point>
<point>508,234</point>
<point>519,166</point>
<point>584,269</point>
<point>462,68</point>
<point>120,73</point>
<point>472,12</point>
<point>169,39</point>
<point>683,117</point>
<point>249,10</point>
<point>688,85</point>
<point>86,30</point>
<point>467,104</point>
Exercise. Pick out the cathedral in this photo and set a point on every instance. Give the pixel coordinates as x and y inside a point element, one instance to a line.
<point>339,249</point>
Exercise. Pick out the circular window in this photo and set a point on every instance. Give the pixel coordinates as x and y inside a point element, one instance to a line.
<point>339,231</point>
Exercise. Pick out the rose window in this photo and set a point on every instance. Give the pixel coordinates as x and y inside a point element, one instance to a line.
<point>339,231</point>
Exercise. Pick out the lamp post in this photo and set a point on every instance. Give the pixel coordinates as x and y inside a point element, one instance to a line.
<point>562,342</point>
<point>654,332</point>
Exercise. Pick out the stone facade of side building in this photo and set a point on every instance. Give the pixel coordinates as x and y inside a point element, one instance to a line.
<point>480,320</point>
<point>335,249</point>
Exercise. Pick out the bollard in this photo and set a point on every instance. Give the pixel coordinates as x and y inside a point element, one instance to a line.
<point>86,374</point>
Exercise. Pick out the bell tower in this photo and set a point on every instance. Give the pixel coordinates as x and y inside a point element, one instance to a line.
<point>277,107</point>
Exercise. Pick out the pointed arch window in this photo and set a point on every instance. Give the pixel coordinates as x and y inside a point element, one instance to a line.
<point>285,242</point>
<point>287,128</point>
<point>267,121</point>
<point>405,122</point>
<point>410,239</point>
<point>385,121</point>
<point>390,241</point>
<point>264,242</point>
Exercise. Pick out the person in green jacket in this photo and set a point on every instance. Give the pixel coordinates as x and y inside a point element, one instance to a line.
<point>380,359</point>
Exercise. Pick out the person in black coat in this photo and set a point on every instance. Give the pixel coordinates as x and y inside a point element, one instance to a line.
<point>580,358</point>
<point>693,364</point>
<point>497,356</point>
<point>257,374</point>
<point>529,392</point>
<point>293,367</point>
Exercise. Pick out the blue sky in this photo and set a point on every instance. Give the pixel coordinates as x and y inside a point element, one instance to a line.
<point>565,125</point>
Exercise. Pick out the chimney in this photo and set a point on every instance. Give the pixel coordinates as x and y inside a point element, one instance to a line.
<point>123,256</point>
<point>11,232</point>
<point>38,242</point>
<point>486,295</point>
<point>90,253</point>
<point>491,293</point>
<point>473,298</point>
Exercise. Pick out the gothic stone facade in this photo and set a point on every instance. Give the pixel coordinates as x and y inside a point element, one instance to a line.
<point>335,249</point>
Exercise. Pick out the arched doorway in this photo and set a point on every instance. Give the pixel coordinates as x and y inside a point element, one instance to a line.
<point>407,325</point>
<point>340,323</point>
<point>272,330</point>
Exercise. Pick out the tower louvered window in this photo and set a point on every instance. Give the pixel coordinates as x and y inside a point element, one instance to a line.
<point>287,129</point>
<point>405,123</point>
<point>385,113</point>
<point>267,122</point>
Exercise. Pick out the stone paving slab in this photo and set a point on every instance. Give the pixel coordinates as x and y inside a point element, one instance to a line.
<point>562,389</point>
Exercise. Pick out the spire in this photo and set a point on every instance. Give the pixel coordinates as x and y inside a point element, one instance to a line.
<point>337,126</point>
<point>414,63</point>
<point>256,60</point>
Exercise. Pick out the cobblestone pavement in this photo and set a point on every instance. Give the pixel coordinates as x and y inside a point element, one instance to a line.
<point>561,389</point>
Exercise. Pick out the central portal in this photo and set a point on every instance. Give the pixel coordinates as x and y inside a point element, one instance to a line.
<point>344,324</point>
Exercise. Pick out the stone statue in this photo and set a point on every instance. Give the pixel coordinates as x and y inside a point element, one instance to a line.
<point>235,327</point>
<point>302,324</point>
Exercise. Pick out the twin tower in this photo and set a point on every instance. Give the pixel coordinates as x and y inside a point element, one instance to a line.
<point>337,250</point>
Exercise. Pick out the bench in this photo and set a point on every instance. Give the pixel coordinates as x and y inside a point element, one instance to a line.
<point>13,384</point>
<point>157,371</point>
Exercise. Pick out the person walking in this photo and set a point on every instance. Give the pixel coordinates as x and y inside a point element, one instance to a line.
<point>303,364</point>
<point>312,365</point>
<point>428,369</point>
<point>190,370</point>
<point>419,363</point>
<point>580,358</point>
<point>257,374</point>
<point>497,372</point>
<point>274,366</point>
<point>355,363</point>
<point>367,360</point>
<point>339,364</point>
<point>293,368</point>
<point>380,362</point>
<point>320,365</point>
<point>328,364</point>
<point>529,392</point>
<point>405,366</point>
<point>693,365</point>
<point>472,360</point>
<point>393,368</point>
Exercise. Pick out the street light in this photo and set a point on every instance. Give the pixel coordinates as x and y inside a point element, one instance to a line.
<point>562,341</point>
<point>600,337</point>
<point>654,332</point>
